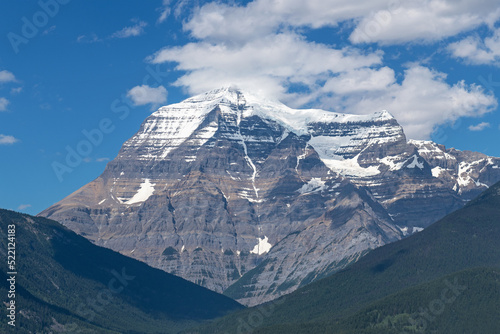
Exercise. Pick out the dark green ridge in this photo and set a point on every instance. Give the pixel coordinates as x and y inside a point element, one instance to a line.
<point>64,283</point>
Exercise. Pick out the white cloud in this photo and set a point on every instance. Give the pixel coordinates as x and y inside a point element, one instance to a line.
<point>264,65</point>
<point>420,103</point>
<point>424,21</point>
<point>23,207</point>
<point>7,140</point>
<point>6,76</point>
<point>132,31</point>
<point>380,21</point>
<point>361,80</point>
<point>3,103</point>
<point>479,127</point>
<point>475,50</point>
<point>141,95</point>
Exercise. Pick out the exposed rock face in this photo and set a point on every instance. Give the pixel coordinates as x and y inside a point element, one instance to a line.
<point>230,191</point>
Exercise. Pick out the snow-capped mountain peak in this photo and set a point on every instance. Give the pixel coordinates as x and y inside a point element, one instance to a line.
<point>213,186</point>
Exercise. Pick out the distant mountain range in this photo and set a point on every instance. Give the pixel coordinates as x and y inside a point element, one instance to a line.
<point>445,279</point>
<point>66,284</point>
<point>246,196</point>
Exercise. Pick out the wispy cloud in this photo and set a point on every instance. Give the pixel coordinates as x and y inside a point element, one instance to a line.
<point>92,38</point>
<point>7,140</point>
<point>479,127</point>
<point>141,95</point>
<point>164,11</point>
<point>16,90</point>
<point>132,31</point>
<point>179,8</point>
<point>49,30</point>
<point>23,207</point>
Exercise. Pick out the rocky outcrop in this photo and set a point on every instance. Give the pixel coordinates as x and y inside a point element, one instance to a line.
<point>251,197</point>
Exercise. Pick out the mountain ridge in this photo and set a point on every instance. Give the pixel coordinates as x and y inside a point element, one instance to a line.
<point>228,182</point>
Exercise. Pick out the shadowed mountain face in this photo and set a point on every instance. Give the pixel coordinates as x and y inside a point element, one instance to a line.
<point>246,195</point>
<point>64,283</point>
<point>445,279</point>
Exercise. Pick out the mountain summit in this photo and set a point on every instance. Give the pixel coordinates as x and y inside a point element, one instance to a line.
<point>248,196</point>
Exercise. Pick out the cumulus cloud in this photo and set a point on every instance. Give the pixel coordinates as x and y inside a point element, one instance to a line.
<point>361,81</point>
<point>141,95</point>
<point>381,21</point>
<point>132,31</point>
<point>264,65</point>
<point>7,140</point>
<point>475,50</point>
<point>6,76</point>
<point>3,103</point>
<point>423,21</point>
<point>420,103</point>
<point>479,127</point>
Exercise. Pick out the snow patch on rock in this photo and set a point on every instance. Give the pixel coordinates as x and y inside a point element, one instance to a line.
<point>415,163</point>
<point>145,191</point>
<point>263,246</point>
<point>436,171</point>
<point>314,185</point>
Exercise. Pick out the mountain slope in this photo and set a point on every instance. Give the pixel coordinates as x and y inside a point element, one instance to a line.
<point>464,302</point>
<point>244,194</point>
<point>389,285</point>
<point>65,283</point>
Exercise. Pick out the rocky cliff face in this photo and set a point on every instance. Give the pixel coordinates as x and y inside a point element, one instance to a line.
<point>251,197</point>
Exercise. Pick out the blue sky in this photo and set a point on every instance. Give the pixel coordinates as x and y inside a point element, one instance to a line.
<point>75,72</point>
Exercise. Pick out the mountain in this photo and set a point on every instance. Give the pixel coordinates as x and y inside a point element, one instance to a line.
<point>445,279</point>
<point>245,195</point>
<point>64,283</point>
